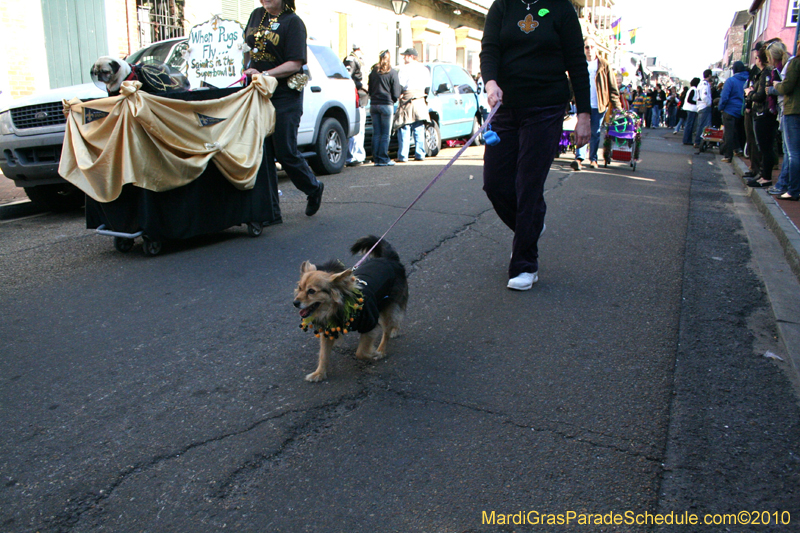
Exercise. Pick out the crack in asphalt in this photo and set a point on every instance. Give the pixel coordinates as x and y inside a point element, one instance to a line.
<point>508,419</point>
<point>76,508</point>
<point>454,235</point>
<point>321,417</point>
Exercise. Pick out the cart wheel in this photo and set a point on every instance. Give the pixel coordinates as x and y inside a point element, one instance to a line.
<point>123,244</point>
<point>151,248</point>
<point>254,229</point>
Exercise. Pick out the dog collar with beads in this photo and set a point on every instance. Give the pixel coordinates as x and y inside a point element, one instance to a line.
<point>353,304</point>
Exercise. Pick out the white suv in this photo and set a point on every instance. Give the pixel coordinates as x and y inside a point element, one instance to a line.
<point>32,128</point>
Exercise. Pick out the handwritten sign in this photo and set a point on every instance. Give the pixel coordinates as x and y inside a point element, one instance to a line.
<point>215,53</point>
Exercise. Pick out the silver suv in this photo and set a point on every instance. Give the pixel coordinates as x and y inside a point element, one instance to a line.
<point>32,129</point>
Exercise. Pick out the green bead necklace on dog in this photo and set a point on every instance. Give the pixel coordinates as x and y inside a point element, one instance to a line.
<point>353,304</point>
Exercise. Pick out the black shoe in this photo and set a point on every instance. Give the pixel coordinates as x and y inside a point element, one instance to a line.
<point>314,201</point>
<point>750,174</point>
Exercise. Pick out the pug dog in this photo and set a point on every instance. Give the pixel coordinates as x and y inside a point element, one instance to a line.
<point>111,72</point>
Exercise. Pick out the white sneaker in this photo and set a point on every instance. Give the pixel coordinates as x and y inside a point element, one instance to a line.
<point>524,281</point>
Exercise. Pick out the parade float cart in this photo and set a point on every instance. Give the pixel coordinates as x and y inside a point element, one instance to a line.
<point>623,139</point>
<point>173,166</point>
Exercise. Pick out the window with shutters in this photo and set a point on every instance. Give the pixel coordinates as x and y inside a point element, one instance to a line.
<point>238,9</point>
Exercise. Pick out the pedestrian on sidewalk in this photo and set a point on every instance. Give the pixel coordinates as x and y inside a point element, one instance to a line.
<point>731,102</point>
<point>640,102</point>
<point>604,97</point>
<point>354,63</point>
<point>384,90</point>
<point>750,116</point>
<point>681,112</point>
<point>672,108</point>
<point>704,107</point>
<point>779,64</point>
<point>525,55</point>
<point>765,111</point>
<point>412,109</point>
<point>790,89</point>
<point>690,106</point>
<point>658,97</point>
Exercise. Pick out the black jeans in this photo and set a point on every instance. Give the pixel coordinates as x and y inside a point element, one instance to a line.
<point>514,172</point>
<point>288,111</point>
<point>752,141</point>
<point>730,139</point>
<point>766,127</point>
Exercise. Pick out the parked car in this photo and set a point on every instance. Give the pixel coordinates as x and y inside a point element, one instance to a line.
<point>32,128</point>
<point>453,104</point>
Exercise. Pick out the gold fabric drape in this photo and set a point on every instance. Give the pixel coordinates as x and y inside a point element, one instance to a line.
<point>161,143</point>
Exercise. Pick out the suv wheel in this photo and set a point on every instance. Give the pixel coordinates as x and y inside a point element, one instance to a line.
<point>330,148</point>
<point>59,197</point>
<point>433,139</point>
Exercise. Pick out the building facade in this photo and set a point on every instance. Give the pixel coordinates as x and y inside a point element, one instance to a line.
<point>69,35</point>
<point>774,18</point>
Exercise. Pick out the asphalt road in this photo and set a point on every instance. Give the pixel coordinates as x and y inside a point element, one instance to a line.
<point>167,394</point>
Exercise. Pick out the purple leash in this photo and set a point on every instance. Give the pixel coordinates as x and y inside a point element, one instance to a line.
<point>426,189</point>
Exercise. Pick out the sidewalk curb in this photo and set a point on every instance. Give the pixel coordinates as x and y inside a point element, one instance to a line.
<point>19,209</point>
<point>784,229</point>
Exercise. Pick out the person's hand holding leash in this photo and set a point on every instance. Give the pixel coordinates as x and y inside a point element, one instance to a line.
<point>494,93</point>
<point>583,129</point>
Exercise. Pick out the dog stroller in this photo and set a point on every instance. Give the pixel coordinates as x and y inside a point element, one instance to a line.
<point>623,139</point>
<point>154,195</point>
<point>712,136</point>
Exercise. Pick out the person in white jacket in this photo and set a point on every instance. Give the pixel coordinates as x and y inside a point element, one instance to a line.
<point>703,107</point>
<point>690,106</point>
<point>412,108</point>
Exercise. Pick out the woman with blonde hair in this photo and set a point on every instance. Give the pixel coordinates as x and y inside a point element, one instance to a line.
<point>765,111</point>
<point>384,90</point>
<point>789,89</point>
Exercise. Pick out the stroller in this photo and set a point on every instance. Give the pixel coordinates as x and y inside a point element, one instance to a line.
<point>623,139</point>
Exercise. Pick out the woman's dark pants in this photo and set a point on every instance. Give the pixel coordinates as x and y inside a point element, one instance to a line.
<point>766,127</point>
<point>288,111</point>
<point>514,172</point>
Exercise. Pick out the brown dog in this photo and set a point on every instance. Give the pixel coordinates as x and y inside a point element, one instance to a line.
<point>334,302</point>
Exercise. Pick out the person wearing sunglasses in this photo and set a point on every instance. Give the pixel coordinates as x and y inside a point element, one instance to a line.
<point>604,97</point>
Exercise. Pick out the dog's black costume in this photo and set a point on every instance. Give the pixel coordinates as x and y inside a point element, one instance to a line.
<point>381,280</point>
<point>377,280</point>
